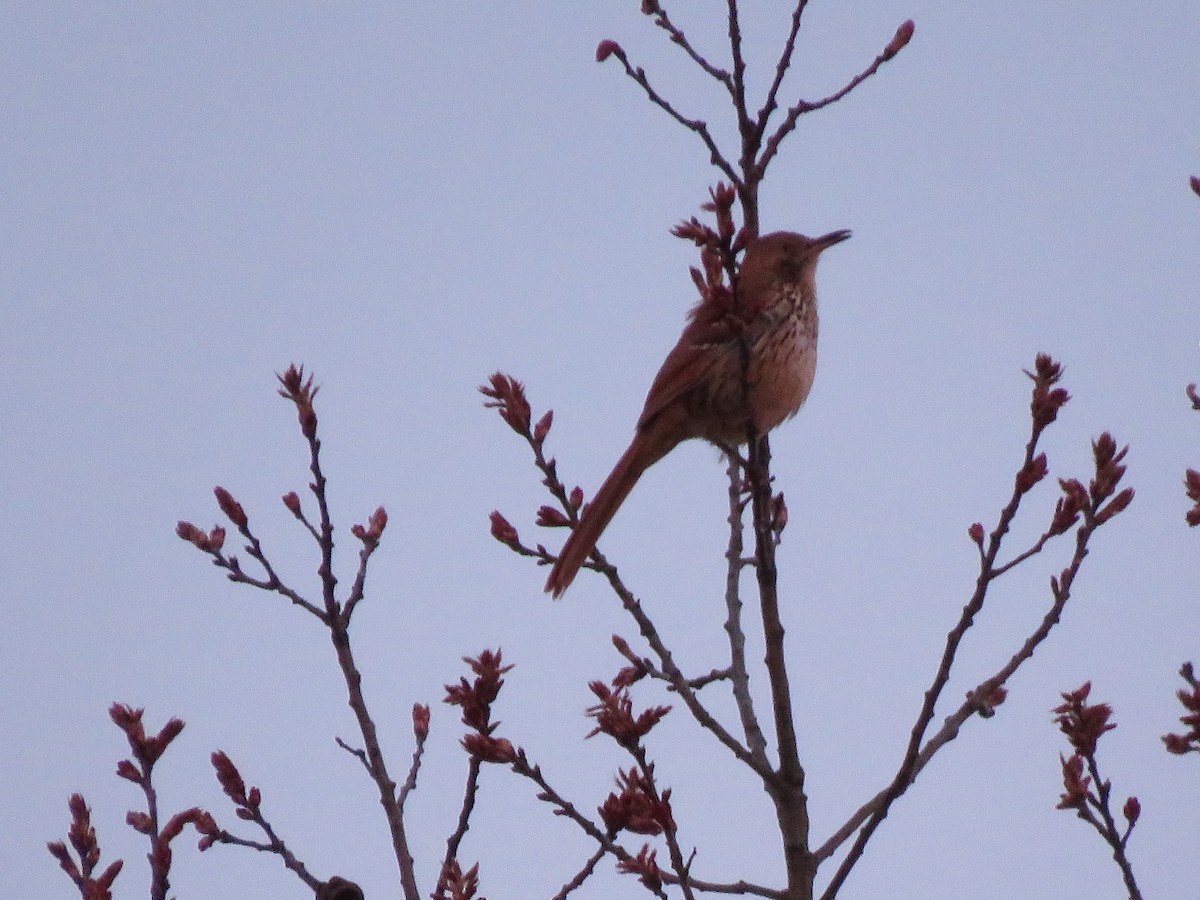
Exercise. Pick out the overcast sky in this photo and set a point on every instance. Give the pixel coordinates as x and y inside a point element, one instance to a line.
<point>406,197</point>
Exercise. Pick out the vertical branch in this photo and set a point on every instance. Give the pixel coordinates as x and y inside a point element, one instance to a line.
<point>739,69</point>
<point>739,675</point>
<point>787,791</point>
<point>339,634</point>
<point>781,67</point>
<point>301,391</point>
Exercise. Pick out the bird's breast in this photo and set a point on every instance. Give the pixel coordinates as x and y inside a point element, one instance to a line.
<point>783,363</point>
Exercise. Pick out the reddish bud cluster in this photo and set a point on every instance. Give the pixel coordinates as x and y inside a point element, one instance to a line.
<point>1031,473</point>
<point>146,749</point>
<point>373,530</point>
<point>1076,791</point>
<point>542,428</point>
<point>637,807</point>
<point>490,749</point>
<point>718,247</point>
<point>292,501</point>
<point>1109,472</point>
<point>651,7</point>
<point>1132,810</point>
<point>1189,741</point>
<point>1083,724</point>
<point>1194,396</point>
<point>549,517</point>
<point>508,398</point>
<point>725,238</point>
<point>208,541</point>
<point>645,866</point>
<point>1047,399</point>
<point>1069,506</point>
<point>420,717</point>
<point>503,531</point>
<point>614,716</point>
<point>634,672</point>
<point>160,854</point>
<point>300,390</point>
<point>232,509</point>
<point>779,515</point>
<point>247,802</point>
<point>1191,484</point>
<point>476,697</point>
<point>986,703</point>
<point>1195,183</point>
<point>455,884</point>
<point>83,839</point>
<point>607,48</point>
<point>903,35</point>
<point>976,533</point>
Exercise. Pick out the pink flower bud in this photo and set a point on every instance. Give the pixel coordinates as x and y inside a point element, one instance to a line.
<point>1132,810</point>
<point>607,48</point>
<point>542,428</point>
<point>903,35</point>
<point>502,530</point>
<point>232,509</point>
<point>420,715</point>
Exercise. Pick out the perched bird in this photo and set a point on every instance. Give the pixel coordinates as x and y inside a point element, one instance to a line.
<point>725,380</point>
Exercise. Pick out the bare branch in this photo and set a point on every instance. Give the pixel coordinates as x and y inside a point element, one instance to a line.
<point>785,60</point>
<point>698,126</point>
<point>739,674</point>
<point>903,35</point>
<point>664,22</point>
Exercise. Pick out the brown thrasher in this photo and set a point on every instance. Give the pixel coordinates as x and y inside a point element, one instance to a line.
<point>725,380</point>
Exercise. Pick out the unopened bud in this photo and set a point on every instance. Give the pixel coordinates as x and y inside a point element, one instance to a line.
<point>420,715</point>
<point>607,48</point>
<point>903,35</point>
<point>542,428</point>
<point>1131,810</point>
<point>232,509</point>
<point>502,530</point>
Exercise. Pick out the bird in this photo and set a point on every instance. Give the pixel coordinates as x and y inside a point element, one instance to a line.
<point>730,378</point>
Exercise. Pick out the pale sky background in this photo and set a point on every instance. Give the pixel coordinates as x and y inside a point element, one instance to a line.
<point>406,197</point>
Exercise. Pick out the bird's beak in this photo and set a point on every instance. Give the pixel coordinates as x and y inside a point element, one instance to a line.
<point>834,237</point>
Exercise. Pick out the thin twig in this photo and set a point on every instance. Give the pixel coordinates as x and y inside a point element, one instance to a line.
<point>908,765</point>
<point>357,752</point>
<point>410,783</point>
<point>584,873</point>
<point>664,22</point>
<point>785,60</point>
<point>568,810</point>
<point>698,126</point>
<point>677,679</point>
<point>360,577</point>
<point>739,72</point>
<point>804,106</point>
<point>1099,505</point>
<point>470,792</point>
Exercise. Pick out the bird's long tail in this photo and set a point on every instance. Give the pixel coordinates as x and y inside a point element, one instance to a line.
<point>599,513</point>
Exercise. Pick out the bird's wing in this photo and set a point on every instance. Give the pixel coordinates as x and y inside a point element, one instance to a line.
<point>685,365</point>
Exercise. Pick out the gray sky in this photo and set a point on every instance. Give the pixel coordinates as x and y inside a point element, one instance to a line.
<point>406,197</point>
